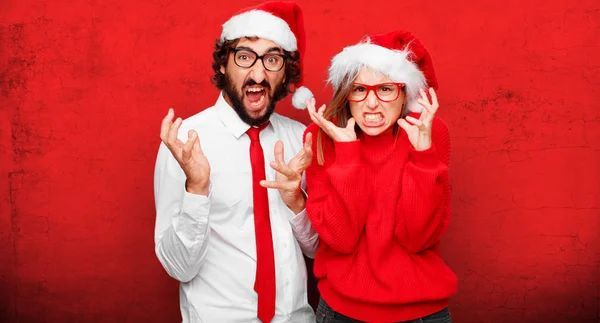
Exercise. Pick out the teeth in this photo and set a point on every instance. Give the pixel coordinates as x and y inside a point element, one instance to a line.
<point>254,89</point>
<point>373,117</point>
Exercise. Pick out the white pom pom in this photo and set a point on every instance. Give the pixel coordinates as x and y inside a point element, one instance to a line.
<point>414,106</point>
<point>301,95</point>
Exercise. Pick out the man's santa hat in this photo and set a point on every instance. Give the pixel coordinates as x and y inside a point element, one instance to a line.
<point>280,22</point>
<point>398,55</point>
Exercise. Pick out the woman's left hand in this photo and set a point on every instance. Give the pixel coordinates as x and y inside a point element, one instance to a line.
<point>419,133</point>
<point>336,133</point>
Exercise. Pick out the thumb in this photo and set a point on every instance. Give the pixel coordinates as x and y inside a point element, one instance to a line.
<point>351,123</point>
<point>404,125</point>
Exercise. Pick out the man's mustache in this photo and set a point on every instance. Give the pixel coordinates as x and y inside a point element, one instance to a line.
<point>264,84</point>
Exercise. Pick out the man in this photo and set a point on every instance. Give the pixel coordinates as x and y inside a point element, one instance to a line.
<point>235,246</point>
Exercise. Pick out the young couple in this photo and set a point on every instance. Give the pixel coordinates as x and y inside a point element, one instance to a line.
<point>242,192</point>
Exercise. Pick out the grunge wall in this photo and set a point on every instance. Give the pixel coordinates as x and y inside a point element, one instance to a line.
<point>84,85</point>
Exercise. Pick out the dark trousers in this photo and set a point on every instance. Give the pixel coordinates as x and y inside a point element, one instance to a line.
<point>326,314</point>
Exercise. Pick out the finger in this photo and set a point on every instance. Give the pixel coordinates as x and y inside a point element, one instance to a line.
<point>165,124</point>
<point>321,118</point>
<point>303,159</point>
<point>414,121</point>
<point>305,155</point>
<point>270,184</point>
<point>186,154</point>
<point>318,114</point>
<point>310,105</point>
<point>323,123</point>
<point>426,101</point>
<point>279,152</point>
<point>173,130</point>
<point>283,169</point>
<point>351,123</point>
<point>308,141</point>
<point>321,110</point>
<point>197,149</point>
<point>274,184</point>
<point>312,113</point>
<point>404,125</point>
<point>434,100</point>
<point>427,109</point>
<point>314,119</point>
<point>424,96</point>
<point>307,160</point>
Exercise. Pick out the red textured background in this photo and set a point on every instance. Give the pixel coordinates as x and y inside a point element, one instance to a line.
<point>85,83</point>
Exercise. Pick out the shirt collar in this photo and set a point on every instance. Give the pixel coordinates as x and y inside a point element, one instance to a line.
<point>231,120</point>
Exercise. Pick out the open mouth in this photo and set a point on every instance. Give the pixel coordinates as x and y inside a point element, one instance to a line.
<point>257,96</point>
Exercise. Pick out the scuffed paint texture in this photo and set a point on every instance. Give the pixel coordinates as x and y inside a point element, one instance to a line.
<point>84,85</point>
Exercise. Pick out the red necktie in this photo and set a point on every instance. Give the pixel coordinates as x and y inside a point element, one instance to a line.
<point>264,284</point>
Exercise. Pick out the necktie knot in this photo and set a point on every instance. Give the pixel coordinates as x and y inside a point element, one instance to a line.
<point>254,132</point>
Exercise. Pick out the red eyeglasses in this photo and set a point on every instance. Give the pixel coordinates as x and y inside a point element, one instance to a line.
<point>386,92</point>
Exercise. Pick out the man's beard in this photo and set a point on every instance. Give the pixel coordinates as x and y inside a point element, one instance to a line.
<point>235,98</point>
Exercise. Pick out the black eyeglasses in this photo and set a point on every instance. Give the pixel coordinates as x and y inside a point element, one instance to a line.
<point>246,58</point>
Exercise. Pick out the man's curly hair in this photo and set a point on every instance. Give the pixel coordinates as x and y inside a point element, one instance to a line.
<point>220,55</point>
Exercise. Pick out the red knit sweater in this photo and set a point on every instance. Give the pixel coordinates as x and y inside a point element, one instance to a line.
<point>380,208</point>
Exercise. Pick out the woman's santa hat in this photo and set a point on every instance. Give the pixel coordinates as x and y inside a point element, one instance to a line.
<point>280,22</point>
<point>398,55</point>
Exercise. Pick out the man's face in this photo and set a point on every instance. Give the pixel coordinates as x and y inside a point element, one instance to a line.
<point>253,91</point>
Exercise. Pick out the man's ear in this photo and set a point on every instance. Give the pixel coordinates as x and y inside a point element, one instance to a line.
<point>222,69</point>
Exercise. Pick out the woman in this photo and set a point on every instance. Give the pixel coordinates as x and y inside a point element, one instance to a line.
<point>379,191</point>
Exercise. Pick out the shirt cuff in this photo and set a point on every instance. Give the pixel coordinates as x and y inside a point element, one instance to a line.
<point>299,219</point>
<point>195,204</point>
<point>293,217</point>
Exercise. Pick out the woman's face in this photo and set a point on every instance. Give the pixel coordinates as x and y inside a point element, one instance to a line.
<point>372,115</point>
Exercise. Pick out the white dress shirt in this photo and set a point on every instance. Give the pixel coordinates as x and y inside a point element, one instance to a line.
<point>208,243</point>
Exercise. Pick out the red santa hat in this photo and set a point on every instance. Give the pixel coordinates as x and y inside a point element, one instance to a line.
<point>280,22</point>
<point>397,54</point>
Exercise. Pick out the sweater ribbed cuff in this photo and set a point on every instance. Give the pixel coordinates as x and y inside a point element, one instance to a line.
<point>347,153</point>
<point>426,158</point>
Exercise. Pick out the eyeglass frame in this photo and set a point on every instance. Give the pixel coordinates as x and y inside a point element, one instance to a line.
<point>239,49</point>
<point>373,88</point>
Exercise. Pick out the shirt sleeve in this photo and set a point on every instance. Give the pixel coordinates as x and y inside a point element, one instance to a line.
<point>182,220</point>
<point>305,234</point>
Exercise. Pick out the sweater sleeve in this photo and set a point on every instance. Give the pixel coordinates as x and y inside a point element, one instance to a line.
<point>334,204</point>
<point>423,210</point>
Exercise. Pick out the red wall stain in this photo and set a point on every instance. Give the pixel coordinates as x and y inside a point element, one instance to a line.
<point>84,85</point>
